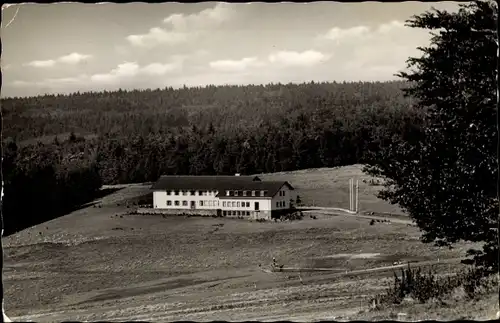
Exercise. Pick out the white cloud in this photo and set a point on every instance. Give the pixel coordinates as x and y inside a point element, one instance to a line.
<point>127,75</point>
<point>391,27</point>
<point>234,65</point>
<point>54,82</point>
<point>159,69</point>
<point>182,28</point>
<point>42,64</point>
<point>124,70</point>
<point>130,70</point>
<point>339,34</point>
<point>209,17</point>
<point>74,58</point>
<point>306,58</point>
<point>362,33</point>
<point>157,36</point>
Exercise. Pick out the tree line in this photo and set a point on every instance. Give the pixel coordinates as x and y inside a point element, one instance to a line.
<point>60,149</point>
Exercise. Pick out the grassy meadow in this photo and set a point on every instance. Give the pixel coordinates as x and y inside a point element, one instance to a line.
<point>103,263</point>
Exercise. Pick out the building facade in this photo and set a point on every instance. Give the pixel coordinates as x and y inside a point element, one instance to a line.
<point>243,196</point>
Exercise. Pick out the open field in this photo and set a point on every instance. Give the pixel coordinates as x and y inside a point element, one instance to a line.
<point>102,264</point>
<point>329,187</point>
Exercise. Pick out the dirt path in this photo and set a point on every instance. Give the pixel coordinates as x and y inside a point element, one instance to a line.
<point>334,211</point>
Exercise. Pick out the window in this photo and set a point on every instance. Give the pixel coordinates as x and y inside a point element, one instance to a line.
<point>261,193</point>
<point>253,193</point>
<point>224,213</point>
<point>199,193</point>
<point>168,192</point>
<point>236,193</point>
<point>176,203</point>
<point>169,203</point>
<point>248,204</point>
<point>176,192</point>
<point>201,203</point>
<point>184,203</point>
<point>224,204</point>
<point>237,212</point>
<point>237,204</point>
<point>184,193</point>
<point>227,193</point>
<point>233,204</point>
<point>244,193</point>
<point>284,193</point>
<point>277,204</point>
<point>265,192</point>
<point>193,193</point>
<point>248,212</point>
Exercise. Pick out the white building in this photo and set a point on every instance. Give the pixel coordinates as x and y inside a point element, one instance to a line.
<point>223,195</point>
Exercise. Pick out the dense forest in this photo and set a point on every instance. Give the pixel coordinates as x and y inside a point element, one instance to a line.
<point>59,149</point>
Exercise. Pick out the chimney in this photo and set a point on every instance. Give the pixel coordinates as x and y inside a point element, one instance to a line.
<point>237,174</point>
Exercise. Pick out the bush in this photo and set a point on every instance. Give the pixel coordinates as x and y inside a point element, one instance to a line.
<point>292,216</point>
<point>416,284</point>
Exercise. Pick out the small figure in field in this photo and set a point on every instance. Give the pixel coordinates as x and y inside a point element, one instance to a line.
<point>274,263</point>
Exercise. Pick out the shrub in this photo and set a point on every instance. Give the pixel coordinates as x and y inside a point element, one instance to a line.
<point>424,286</point>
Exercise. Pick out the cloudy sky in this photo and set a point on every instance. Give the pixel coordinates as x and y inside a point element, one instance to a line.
<point>61,48</point>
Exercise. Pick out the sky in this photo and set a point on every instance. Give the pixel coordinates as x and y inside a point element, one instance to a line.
<point>69,47</point>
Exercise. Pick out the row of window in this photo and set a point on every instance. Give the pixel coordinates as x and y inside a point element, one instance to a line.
<point>177,203</point>
<point>185,203</point>
<point>192,193</point>
<point>236,213</point>
<point>245,193</point>
<point>280,204</point>
<point>236,204</point>
<point>228,193</point>
<point>210,203</point>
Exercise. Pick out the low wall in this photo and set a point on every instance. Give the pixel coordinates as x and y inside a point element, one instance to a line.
<point>180,212</point>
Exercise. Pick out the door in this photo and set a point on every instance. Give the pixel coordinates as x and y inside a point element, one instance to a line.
<point>256,206</point>
<point>193,205</point>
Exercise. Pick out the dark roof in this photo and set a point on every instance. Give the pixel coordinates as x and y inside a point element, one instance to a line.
<point>271,188</point>
<point>186,182</point>
<point>219,183</point>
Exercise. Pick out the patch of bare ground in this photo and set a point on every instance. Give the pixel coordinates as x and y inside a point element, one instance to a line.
<point>482,308</point>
